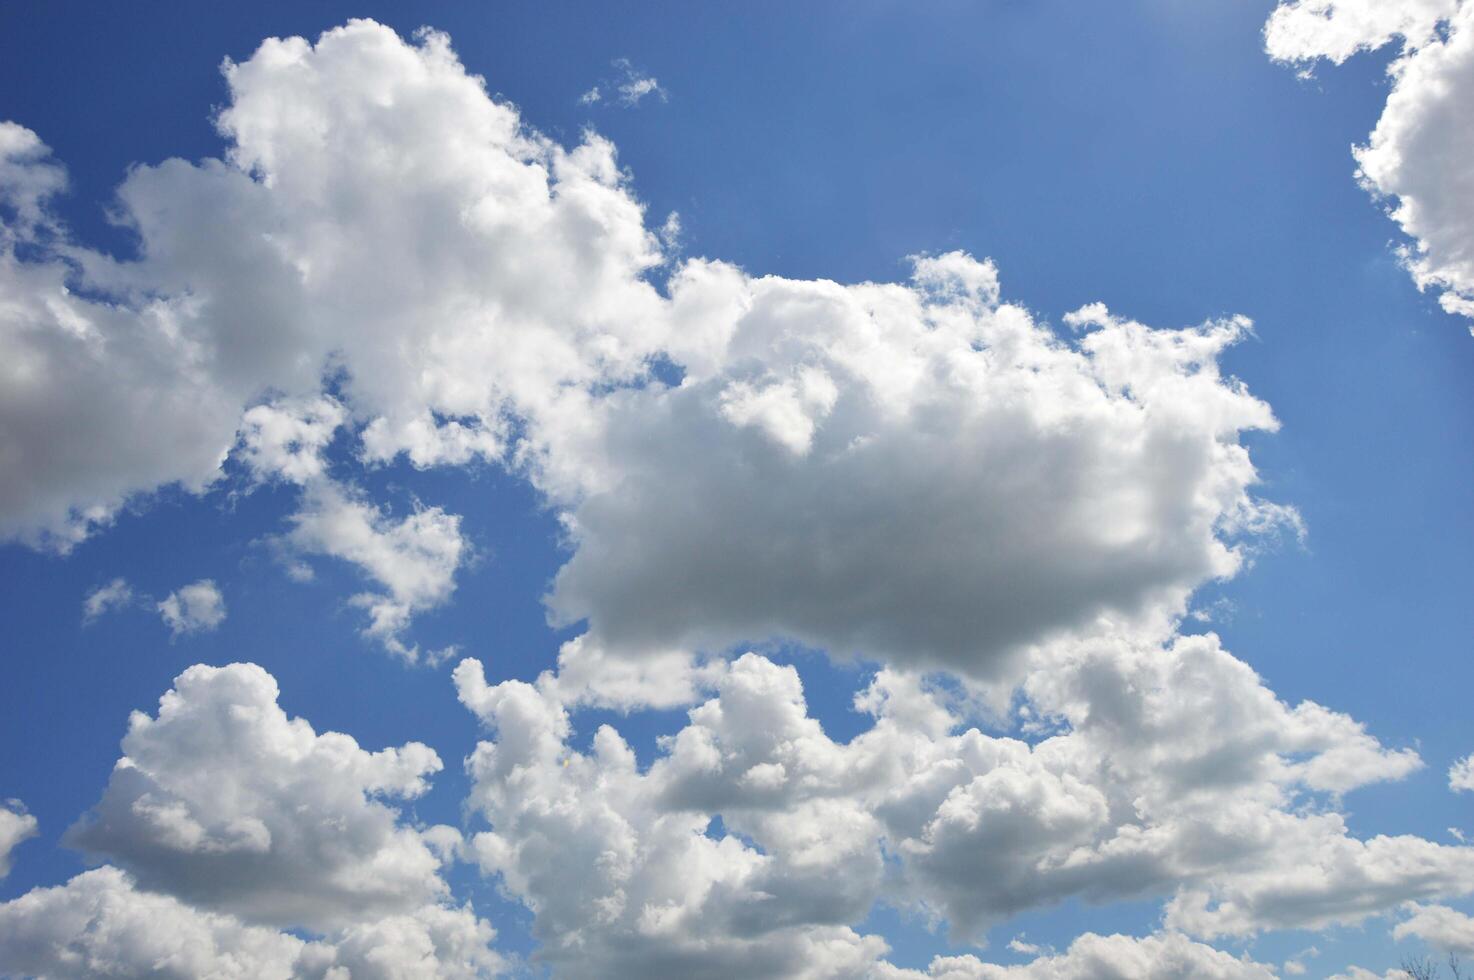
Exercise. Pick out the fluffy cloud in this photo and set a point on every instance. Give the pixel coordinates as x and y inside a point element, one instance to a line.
<point>387,220</point>
<point>1091,957</point>
<point>914,471</point>
<point>1461,775</point>
<point>1160,771</point>
<point>1439,926</point>
<point>194,608</point>
<point>99,401</point>
<point>233,823</point>
<point>16,825</point>
<point>223,801</point>
<point>117,594</point>
<point>1303,30</point>
<point>285,440</point>
<point>100,924</point>
<point>1417,158</point>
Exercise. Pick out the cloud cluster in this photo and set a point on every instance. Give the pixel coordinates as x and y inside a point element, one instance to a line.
<point>100,924</point>
<point>915,471</point>
<point>1417,159</point>
<point>413,560</point>
<point>1167,956</point>
<point>1160,771</point>
<point>226,824</point>
<point>223,800</point>
<point>919,474</point>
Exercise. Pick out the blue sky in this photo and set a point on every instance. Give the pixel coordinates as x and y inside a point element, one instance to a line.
<point>1149,155</point>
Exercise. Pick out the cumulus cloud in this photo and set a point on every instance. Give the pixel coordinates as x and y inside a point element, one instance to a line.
<point>16,825</point>
<point>223,801</point>
<point>527,264</point>
<point>912,471</point>
<point>117,594</point>
<point>285,440</point>
<point>194,608</point>
<point>1167,956</point>
<point>100,924</point>
<point>1304,30</point>
<point>234,830</point>
<point>917,473</point>
<point>1439,926</point>
<point>1172,771</point>
<point>1417,157</point>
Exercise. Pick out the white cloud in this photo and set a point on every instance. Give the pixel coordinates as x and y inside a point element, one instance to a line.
<point>907,471</point>
<point>1168,956</point>
<point>100,924</point>
<point>194,608</point>
<point>414,559</point>
<point>1439,926</point>
<point>232,822</point>
<point>1304,30</point>
<point>462,268</point>
<point>627,89</point>
<point>1461,775</point>
<point>1173,772</point>
<point>901,472</point>
<point>1418,157</point>
<point>117,594</point>
<point>223,801</point>
<point>286,439</point>
<point>16,825</point>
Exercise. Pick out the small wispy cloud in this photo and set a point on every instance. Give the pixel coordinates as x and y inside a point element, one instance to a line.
<point>105,598</point>
<point>627,90</point>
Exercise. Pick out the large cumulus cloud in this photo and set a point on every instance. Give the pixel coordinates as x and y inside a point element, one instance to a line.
<point>224,801</point>
<point>916,471</point>
<point>1135,771</point>
<point>244,844</point>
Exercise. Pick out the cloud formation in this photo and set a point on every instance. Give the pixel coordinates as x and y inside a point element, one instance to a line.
<point>919,471</point>
<point>223,801</point>
<point>1164,771</point>
<point>1439,926</point>
<point>230,827</point>
<point>16,825</point>
<point>100,924</point>
<point>117,594</point>
<point>1417,159</point>
<point>194,608</point>
<point>627,90</point>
